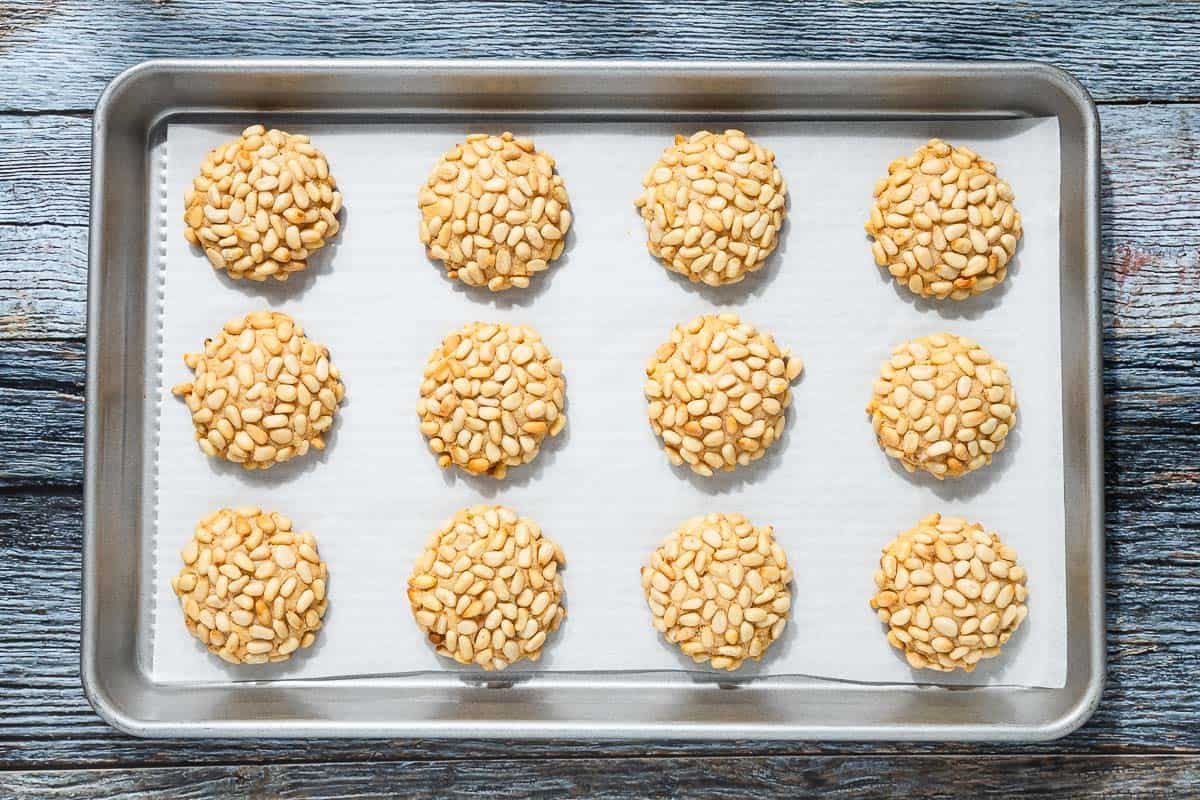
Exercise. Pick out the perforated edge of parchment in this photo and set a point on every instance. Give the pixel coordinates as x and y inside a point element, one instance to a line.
<point>155,300</point>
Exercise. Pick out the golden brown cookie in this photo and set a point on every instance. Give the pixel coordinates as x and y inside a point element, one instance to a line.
<point>252,589</point>
<point>718,588</point>
<point>487,590</point>
<point>494,211</point>
<point>262,204</point>
<point>718,392</point>
<point>950,593</point>
<point>942,404</point>
<point>490,395</point>
<point>943,224</point>
<point>263,393</point>
<point>713,205</point>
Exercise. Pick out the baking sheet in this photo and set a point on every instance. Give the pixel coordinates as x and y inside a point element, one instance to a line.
<point>604,488</point>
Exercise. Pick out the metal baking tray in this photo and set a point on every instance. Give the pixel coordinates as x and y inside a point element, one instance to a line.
<point>129,117</point>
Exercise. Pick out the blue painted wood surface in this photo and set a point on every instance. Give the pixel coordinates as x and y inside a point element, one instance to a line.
<point>1139,59</point>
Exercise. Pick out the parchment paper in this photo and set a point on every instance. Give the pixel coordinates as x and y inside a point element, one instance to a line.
<point>604,488</point>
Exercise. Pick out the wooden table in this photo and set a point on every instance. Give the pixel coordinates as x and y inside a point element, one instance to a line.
<point>1141,62</point>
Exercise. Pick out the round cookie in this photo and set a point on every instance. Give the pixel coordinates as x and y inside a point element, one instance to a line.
<point>263,393</point>
<point>487,590</point>
<point>490,395</point>
<point>942,405</point>
<point>252,589</point>
<point>718,392</point>
<point>494,211</point>
<point>950,593</point>
<point>262,204</point>
<point>718,588</point>
<point>943,224</point>
<point>713,204</point>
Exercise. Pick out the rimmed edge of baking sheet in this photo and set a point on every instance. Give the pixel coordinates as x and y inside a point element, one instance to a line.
<point>115,694</point>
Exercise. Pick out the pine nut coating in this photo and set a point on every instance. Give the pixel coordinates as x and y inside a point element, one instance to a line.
<point>942,404</point>
<point>262,392</point>
<point>943,224</point>
<point>262,204</point>
<point>487,589</point>
<point>713,205</point>
<point>950,593</point>
<point>718,588</point>
<point>252,589</point>
<point>718,393</point>
<point>494,212</point>
<point>490,394</point>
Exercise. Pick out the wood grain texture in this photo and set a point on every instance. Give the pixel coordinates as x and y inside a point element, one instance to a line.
<point>1150,215</point>
<point>42,364</point>
<point>54,457</point>
<point>647,778</point>
<point>41,413</point>
<point>45,162</point>
<point>1151,211</point>
<point>1107,43</point>
<point>43,285</point>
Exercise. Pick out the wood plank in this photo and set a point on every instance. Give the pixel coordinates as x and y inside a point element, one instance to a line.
<point>1151,173</point>
<point>1151,206</point>
<point>43,285</point>
<point>1100,776</point>
<point>42,364</point>
<point>41,412</point>
<point>45,167</point>
<point>1151,41</point>
<point>1150,211</point>
<point>41,438</point>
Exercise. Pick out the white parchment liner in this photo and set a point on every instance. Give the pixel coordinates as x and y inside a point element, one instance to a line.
<point>604,489</point>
